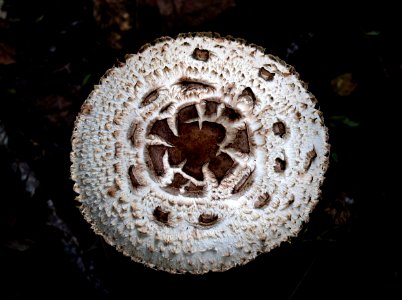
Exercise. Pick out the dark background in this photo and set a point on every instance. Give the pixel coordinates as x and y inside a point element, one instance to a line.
<point>53,52</point>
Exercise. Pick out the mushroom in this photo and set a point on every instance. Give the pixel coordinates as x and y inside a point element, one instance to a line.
<point>198,154</point>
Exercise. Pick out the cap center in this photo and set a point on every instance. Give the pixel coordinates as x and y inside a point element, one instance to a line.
<point>198,146</point>
<point>203,143</point>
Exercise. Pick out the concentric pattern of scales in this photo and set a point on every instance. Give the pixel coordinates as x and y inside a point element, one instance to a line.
<point>198,154</point>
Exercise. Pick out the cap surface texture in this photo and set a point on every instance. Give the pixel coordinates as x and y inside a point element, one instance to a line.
<point>198,154</point>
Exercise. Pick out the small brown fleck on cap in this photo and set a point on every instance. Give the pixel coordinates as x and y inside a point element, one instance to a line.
<point>266,75</point>
<point>279,129</point>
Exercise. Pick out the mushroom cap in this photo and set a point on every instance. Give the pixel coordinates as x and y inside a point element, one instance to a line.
<point>198,154</point>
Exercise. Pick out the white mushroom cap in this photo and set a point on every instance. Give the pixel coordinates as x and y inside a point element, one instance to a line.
<point>198,154</point>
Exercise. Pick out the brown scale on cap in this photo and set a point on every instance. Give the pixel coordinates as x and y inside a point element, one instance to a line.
<point>279,129</point>
<point>193,189</point>
<point>310,156</point>
<point>211,108</point>
<point>190,85</point>
<point>134,181</point>
<point>178,182</point>
<point>207,219</point>
<point>221,165</point>
<point>249,94</point>
<point>160,215</point>
<point>132,134</point>
<point>201,54</point>
<point>262,201</point>
<point>156,153</point>
<point>162,129</point>
<point>165,108</point>
<point>187,113</point>
<point>265,74</point>
<point>280,165</point>
<point>149,98</point>
<point>231,114</point>
<point>242,183</point>
<point>241,142</point>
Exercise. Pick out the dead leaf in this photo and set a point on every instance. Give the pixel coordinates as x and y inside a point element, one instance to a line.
<point>27,176</point>
<point>344,85</point>
<point>114,17</point>
<point>7,54</point>
<point>118,17</point>
<point>339,210</point>
<point>3,14</point>
<point>20,245</point>
<point>56,109</point>
<point>344,120</point>
<point>3,136</point>
<point>196,12</point>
